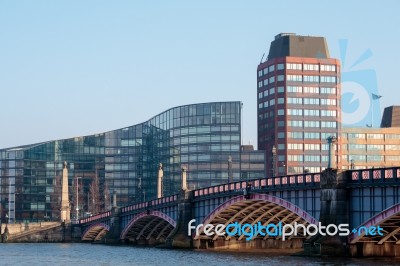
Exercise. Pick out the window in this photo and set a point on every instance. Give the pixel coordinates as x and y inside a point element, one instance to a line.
<point>271,91</point>
<point>312,135</point>
<point>328,112</point>
<point>312,158</point>
<point>311,124</point>
<point>271,68</point>
<point>295,100</point>
<point>312,112</point>
<point>328,68</point>
<point>281,100</point>
<point>281,112</point>
<point>328,101</point>
<point>260,84</point>
<point>327,135</point>
<point>281,158</point>
<point>260,73</point>
<point>356,136</point>
<point>281,135</point>
<point>266,104</point>
<point>265,93</point>
<point>295,158</point>
<point>392,147</point>
<point>281,123</point>
<point>374,158</point>
<point>297,78</point>
<point>272,102</point>
<point>374,147</point>
<point>295,146</point>
<point>295,112</point>
<point>392,136</point>
<point>358,158</point>
<point>265,82</point>
<point>281,146</point>
<point>271,79</point>
<point>260,105</point>
<point>311,90</point>
<point>328,124</point>
<point>375,136</point>
<point>310,67</point>
<point>393,158</point>
<point>280,66</point>
<point>312,101</point>
<point>260,95</point>
<point>281,78</point>
<point>314,79</point>
<point>328,79</point>
<point>295,123</point>
<point>295,135</point>
<point>293,66</point>
<point>312,147</point>
<point>296,89</point>
<point>325,90</point>
<point>265,70</point>
<point>281,89</point>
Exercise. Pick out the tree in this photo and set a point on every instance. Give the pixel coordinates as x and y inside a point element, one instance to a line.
<point>94,192</point>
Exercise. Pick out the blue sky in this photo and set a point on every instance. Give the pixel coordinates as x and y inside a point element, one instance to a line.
<point>71,68</point>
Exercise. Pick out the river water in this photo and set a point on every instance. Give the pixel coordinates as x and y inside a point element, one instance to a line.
<point>88,254</point>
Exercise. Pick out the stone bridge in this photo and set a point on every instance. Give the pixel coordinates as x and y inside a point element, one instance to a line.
<point>366,200</point>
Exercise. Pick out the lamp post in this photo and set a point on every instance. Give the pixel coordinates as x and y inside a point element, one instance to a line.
<point>283,168</point>
<point>273,161</point>
<point>77,197</point>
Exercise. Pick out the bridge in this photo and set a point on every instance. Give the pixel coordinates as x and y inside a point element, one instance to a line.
<point>367,200</point>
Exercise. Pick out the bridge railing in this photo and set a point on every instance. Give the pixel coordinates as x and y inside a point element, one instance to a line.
<point>301,180</point>
<point>374,175</point>
<point>148,204</point>
<point>95,217</point>
<point>133,207</point>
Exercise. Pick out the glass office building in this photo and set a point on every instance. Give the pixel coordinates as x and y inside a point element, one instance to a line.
<point>199,137</point>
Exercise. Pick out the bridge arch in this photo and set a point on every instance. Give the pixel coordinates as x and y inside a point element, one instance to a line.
<point>261,208</point>
<point>148,226</point>
<point>388,220</point>
<point>95,232</point>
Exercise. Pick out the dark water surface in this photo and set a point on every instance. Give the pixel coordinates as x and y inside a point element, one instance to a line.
<point>88,254</point>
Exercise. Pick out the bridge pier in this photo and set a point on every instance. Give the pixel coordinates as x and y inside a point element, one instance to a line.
<point>369,249</point>
<point>179,237</point>
<point>334,210</point>
<point>113,237</point>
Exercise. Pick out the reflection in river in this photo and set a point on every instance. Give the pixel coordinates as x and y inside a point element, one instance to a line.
<point>89,254</point>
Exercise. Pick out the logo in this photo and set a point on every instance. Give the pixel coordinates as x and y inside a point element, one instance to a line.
<point>251,231</point>
<point>359,91</point>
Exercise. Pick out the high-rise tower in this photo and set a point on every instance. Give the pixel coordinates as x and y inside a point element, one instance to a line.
<point>298,92</point>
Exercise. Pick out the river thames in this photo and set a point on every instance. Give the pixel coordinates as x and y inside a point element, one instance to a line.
<point>88,254</point>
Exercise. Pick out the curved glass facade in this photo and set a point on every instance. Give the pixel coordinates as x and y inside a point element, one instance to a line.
<point>199,137</point>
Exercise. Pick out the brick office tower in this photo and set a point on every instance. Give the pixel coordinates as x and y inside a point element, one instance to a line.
<point>298,104</point>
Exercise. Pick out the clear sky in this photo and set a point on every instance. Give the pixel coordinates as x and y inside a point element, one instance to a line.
<point>72,68</point>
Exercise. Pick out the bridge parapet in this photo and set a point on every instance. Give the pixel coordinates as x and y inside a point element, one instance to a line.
<point>95,218</point>
<point>273,183</point>
<point>153,204</point>
<point>373,175</point>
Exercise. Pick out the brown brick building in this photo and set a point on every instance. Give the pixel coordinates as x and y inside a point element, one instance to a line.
<point>298,96</point>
